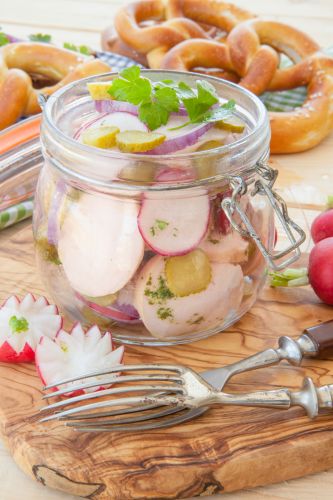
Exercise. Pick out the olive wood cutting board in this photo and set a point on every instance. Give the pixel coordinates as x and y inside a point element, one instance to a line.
<point>226,449</point>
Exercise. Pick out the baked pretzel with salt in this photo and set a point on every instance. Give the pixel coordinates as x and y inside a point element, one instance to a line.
<point>152,27</point>
<point>22,60</point>
<point>251,51</point>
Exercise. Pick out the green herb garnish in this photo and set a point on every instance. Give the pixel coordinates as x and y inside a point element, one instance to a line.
<point>83,49</point>
<point>164,313</point>
<point>159,225</point>
<point>160,294</point>
<point>48,251</point>
<point>3,39</point>
<point>330,201</point>
<point>156,100</point>
<point>18,325</point>
<point>40,37</point>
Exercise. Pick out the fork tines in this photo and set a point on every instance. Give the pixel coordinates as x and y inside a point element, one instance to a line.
<point>164,388</point>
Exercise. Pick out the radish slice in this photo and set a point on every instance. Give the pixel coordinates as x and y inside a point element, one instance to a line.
<point>76,354</point>
<point>100,245</point>
<point>171,225</point>
<point>181,141</point>
<point>22,324</point>
<point>175,174</point>
<point>124,121</point>
<point>167,316</point>
<point>230,247</point>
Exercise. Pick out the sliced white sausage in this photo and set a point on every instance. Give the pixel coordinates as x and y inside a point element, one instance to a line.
<point>100,246</point>
<point>167,316</point>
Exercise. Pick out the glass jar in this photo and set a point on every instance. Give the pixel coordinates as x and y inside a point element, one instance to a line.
<point>158,249</point>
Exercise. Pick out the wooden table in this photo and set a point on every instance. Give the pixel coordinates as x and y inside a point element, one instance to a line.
<point>305,179</point>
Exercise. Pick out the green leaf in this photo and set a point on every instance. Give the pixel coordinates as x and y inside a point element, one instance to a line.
<point>197,105</point>
<point>206,93</point>
<point>217,114</point>
<point>153,115</point>
<point>135,92</point>
<point>18,325</point>
<point>184,91</point>
<point>167,98</point>
<point>330,201</point>
<point>132,73</point>
<point>40,37</point>
<point>3,39</point>
<point>83,49</point>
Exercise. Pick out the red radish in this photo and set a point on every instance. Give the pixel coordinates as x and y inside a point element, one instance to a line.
<point>100,246</point>
<point>321,270</point>
<point>124,121</point>
<point>23,323</point>
<point>168,316</point>
<point>175,174</point>
<point>221,221</point>
<point>322,226</point>
<point>77,353</point>
<point>172,224</point>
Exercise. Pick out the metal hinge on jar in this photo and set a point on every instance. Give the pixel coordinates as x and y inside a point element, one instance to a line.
<point>263,186</point>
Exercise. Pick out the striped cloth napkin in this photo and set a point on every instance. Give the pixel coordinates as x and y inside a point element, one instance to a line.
<point>285,100</point>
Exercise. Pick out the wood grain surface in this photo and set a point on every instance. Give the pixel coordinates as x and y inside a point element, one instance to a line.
<point>227,449</point>
<point>305,180</point>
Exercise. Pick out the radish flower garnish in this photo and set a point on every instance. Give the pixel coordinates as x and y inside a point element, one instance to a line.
<point>23,323</point>
<point>76,354</point>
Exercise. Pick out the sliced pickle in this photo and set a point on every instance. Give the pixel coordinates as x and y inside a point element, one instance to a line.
<point>100,137</point>
<point>141,172</point>
<point>99,90</point>
<point>95,319</point>
<point>104,300</point>
<point>187,274</point>
<point>232,124</point>
<point>214,143</point>
<point>135,141</point>
<point>48,251</point>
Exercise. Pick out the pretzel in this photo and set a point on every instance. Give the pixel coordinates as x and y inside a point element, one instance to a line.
<point>175,22</point>
<point>256,67</point>
<point>19,60</point>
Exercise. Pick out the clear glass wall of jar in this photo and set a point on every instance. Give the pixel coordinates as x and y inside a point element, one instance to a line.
<point>97,213</point>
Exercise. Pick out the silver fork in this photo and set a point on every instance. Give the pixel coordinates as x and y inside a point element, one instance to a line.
<point>181,388</point>
<point>314,341</point>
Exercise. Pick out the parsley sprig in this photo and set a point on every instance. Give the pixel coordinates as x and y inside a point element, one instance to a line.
<point>40,37</point>
<point>156,100</point>
<point>3,39</point>
<point>83,49</point>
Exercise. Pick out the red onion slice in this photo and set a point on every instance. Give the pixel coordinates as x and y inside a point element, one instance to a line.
<point>86,125</point>
<point>181,141</point>
<point>124,313</point>
<point>111,106</point>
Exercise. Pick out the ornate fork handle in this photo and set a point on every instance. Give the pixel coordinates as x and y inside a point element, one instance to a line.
<point>309,397</point>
